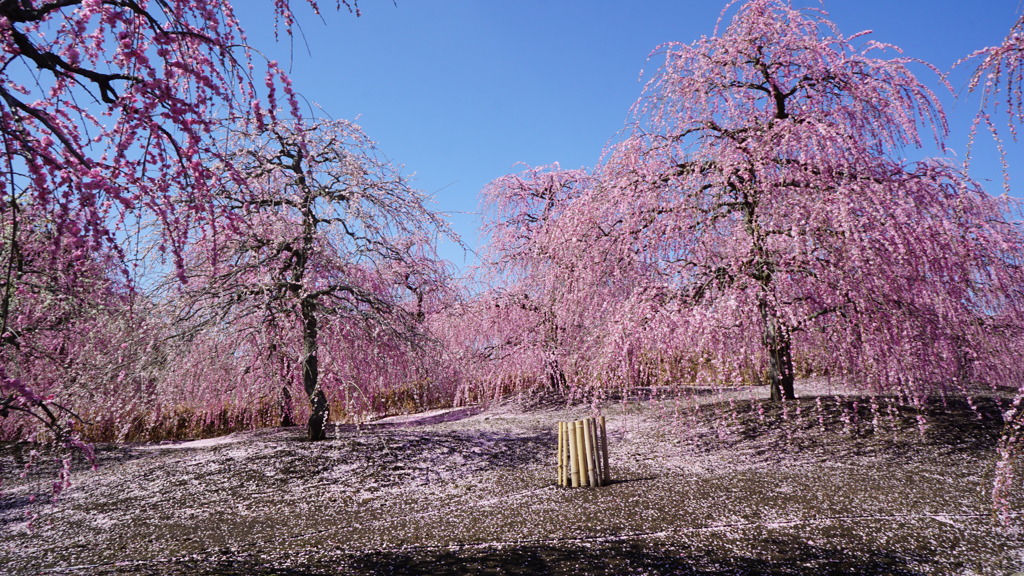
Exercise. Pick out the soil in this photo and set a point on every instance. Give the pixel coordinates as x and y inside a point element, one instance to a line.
<point>717,484</point>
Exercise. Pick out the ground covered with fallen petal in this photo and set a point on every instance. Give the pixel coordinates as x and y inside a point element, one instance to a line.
<point>722,484</point>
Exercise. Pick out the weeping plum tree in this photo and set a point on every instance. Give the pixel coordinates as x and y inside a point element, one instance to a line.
<point>556,315</point>
<point>106,114</point>
<point>531,312</point>
<point>999,77</point>
<point>328,235</point>
<point>64,352</point>
<point>97,117</point>
<point>762,202</point>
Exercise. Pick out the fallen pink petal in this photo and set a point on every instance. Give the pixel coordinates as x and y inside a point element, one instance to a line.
<point>662,287</point>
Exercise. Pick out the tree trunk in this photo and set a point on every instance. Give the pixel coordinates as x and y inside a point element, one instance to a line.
<point>780,359</point>
<point>287,410</point>
<point>310,373</point>
<point>780,371</point>
<point>556,376</point>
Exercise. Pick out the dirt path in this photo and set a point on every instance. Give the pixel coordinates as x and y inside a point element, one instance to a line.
<point>828,490</point>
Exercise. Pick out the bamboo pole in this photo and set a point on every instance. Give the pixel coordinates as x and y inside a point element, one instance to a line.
<point>595,439</point>
<point>588,444</point>
<point>568,452</point>
<point>604,453</point>
<point>574,465</point>
<point>561,459</point>
<point>581,453</point>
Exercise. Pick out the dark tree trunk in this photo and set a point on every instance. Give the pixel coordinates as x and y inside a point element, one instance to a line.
<point>556,376</point>
<point>287,410</point>
<point>310,373</point>
<point>285,403</point>
<point>780,371</point>
<point>780,359</point>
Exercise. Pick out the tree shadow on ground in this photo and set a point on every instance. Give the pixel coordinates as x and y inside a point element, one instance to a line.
<point>856,425</point>
<point>625,557</point>
<point>474,450</point>
<point>15,509</point>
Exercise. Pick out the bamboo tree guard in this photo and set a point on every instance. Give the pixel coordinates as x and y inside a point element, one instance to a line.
<point>583,453</point>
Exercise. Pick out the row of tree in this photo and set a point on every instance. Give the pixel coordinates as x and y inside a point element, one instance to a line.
<point>178,237</point>
<point>183,249</point>
<point>759,219</point>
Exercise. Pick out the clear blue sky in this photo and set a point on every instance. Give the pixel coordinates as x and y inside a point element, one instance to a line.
<point>459,91</point>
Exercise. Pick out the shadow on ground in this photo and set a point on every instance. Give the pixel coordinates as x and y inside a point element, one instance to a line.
<point>621,558</point>
<point>618,558</point>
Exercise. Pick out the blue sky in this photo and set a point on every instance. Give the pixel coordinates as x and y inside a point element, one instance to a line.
<point>459,91</point>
